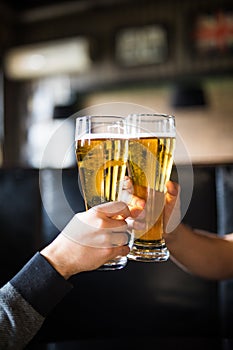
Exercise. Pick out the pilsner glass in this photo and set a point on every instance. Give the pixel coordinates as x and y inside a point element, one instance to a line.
<point>151,148</point>
<point>102,153</point>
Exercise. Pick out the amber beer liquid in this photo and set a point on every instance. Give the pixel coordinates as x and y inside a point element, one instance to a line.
<point>150,164</point>
<point>102,166</point>
<point>101,150</point>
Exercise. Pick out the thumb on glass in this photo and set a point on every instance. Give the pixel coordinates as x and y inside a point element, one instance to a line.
<point>172,211</point>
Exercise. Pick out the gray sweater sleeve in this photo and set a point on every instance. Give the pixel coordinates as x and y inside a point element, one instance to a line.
<point>27,299</point>
<point>19,321</point>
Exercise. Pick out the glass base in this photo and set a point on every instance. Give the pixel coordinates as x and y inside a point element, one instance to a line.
<point>149,252</point>
<point>115,264</point>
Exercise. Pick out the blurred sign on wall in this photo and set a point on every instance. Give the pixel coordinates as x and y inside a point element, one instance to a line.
<point>141,45</point>
<point>213,33</point>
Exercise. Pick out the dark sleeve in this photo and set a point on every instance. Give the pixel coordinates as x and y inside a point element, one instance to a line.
<point>40,284</point>
<point>19,322</point>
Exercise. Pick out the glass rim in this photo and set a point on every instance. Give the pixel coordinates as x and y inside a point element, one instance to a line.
<point>96,126</point>
<point>100,116</point>
<point>163,115</point>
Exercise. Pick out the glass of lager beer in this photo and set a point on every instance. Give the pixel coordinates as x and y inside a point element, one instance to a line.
<point>151,148</point>
<point>102,154</point>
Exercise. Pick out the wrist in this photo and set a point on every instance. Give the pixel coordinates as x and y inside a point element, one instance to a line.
<point>53,256</point>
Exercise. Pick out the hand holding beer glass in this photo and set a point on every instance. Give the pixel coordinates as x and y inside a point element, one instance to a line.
<point>151,148</point>
<point>102,154</point>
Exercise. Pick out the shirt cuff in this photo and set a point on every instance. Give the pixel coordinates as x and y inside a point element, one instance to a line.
<point>40,284</point>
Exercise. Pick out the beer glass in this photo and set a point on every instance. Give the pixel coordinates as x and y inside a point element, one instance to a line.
<point>102,153</point>
<point>151,148</point>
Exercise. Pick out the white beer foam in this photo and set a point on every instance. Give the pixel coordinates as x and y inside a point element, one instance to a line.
<point>152,134</point>
<point>124,136</point>
<point>101,136</point>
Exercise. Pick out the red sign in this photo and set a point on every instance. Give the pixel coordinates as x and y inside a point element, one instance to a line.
<point>214,32</point>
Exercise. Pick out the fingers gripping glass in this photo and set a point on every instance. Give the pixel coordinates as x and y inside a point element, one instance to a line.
<point>102,154</point>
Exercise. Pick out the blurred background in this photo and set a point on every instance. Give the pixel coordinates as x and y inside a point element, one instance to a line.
<point>59,57</point>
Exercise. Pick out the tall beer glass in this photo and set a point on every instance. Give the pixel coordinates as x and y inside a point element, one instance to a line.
<point>151,148</point>
<point>102,153</point>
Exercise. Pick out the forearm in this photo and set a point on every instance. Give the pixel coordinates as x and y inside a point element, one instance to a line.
<point>27,299</point>
<point>200,253</point>
<point>19,321</point>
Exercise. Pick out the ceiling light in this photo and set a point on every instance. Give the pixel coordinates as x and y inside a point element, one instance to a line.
<point>56,57</point>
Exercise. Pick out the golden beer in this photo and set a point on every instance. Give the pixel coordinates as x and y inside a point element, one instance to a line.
<point>101,150</point>
<point>102,167</point>
<point>150,163</point>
